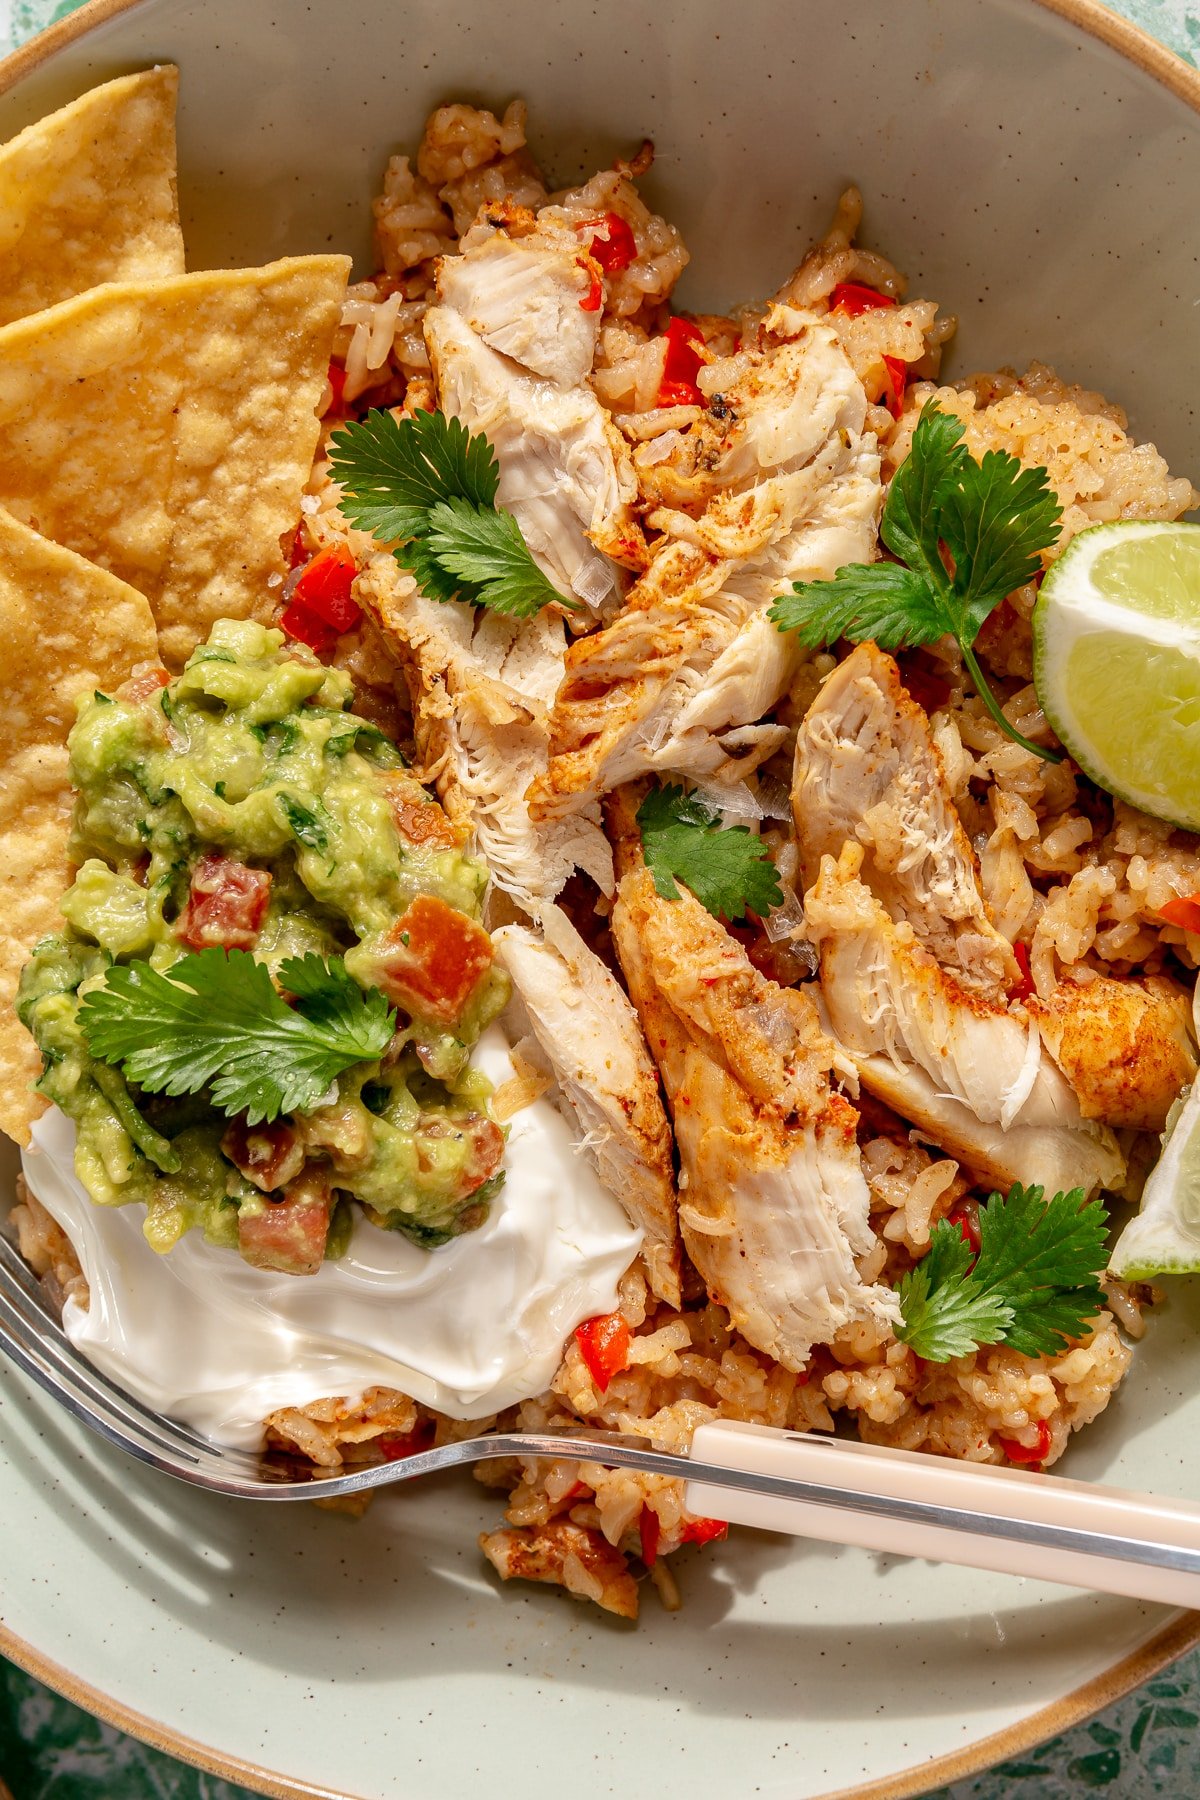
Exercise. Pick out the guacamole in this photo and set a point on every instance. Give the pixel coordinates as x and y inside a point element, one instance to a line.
<point>242,807</point>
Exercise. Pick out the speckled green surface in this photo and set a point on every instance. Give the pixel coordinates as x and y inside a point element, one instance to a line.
<point>1145,1745</point>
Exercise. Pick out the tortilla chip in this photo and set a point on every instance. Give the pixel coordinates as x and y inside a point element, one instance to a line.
<point>88,195</point>
<point>166,430</point>
<point>66,628</point>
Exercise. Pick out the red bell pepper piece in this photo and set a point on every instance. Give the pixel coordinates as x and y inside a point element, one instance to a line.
<point>1183,911</point>
<point>604,1346</point>
<point>965,1217</point>
<point>306,628</point>
<point>703,1531</point>
<point>1024,985</point>
<point>336,378</point>
<point>324,587</point>
<point>614,246</point>
<point>681,365</point>
<point>593,300</point>
<point>897,370</point>
<point>393,1446</point>
<point>649,1530</point>
<point>852,298</point>
<point>1036,1452</point>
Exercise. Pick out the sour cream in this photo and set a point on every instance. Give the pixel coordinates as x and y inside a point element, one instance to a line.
<point>468,1328</point>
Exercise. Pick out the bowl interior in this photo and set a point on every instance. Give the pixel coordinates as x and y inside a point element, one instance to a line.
<point>1028,178</point>
<point>1024,174</point>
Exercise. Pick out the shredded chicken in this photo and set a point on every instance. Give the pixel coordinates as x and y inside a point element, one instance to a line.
<point>511,350</point>
<point>913,972</point>
<point>480,685</point>
<point>775,482</point>
<point>868,772</point>
<point>773,1200</point>
<point>1126,1047</point>
<point>969,1074</point>
<point>589,1032</point>
<point>566,1555</point>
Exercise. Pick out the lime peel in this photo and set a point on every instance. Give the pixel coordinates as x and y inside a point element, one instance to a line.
<point>1116,658</point>
<point>1164,1238</point>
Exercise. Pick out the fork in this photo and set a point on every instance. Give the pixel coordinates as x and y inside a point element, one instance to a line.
<point>1075,1533</point>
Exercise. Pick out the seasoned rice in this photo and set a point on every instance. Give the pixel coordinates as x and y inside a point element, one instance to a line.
<point>1077,878</point>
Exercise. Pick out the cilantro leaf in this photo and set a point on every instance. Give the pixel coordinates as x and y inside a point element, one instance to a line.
<point>215,1018</point>
<point>728,870</point>
<point>994,517</point>
<point>878,600</point>
<point>434,582</point>
<point>329,996</point>
<point>945,1314</point>
<point>309,825</point>
<point>1033,1286</point>
<point>429,487</point>
<point>392,471</point>
<point>1047,1257</point>
<point>487,553</point>
<point>909,526</point>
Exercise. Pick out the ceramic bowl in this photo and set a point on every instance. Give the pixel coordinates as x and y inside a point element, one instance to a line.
<point>1030,165</point>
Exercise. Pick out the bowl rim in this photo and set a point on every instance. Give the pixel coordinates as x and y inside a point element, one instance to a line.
<point>1181,1634</point>
<point>1177,1637</point>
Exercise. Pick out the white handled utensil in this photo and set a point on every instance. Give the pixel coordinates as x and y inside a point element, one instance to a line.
<point>909,1504</point>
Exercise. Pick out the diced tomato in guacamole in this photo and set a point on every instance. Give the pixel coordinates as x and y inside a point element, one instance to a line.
<point>421,822</point>
<point>227,903</point>
<point>141,686</point>
<point>485,1148</point>
<point>434,958</point>
<point>289,1234</point>
<point>269,1155</point>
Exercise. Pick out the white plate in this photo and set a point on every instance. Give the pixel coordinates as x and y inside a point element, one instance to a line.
<point>1031,177</point>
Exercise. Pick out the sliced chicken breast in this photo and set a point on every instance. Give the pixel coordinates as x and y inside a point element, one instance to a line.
<point>914,974</point>
<point>588,1031</point>
<point>867,772</point>
<point>973,1077</point>
<point>1126,1047</point>
<point>480,687</point>
<point>773,1200</point>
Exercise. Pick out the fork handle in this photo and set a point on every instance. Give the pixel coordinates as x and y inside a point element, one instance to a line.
<point>1008,1520</point>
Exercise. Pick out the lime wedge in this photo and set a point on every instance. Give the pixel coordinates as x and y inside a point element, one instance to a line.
<point>1116,661</point>
<point>1164,1239</point>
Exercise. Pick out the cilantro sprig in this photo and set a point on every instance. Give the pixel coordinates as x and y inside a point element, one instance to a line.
<point>215,1018</point>
<point>427,485</point>
<point>729,870</point>
<point>994,518</point>
<point>1033,1285</point>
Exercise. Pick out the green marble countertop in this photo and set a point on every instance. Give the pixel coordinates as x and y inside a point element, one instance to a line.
<point>1147,1744</point>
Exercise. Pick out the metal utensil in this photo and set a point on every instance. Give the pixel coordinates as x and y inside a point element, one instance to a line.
<point>842,1492</point>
